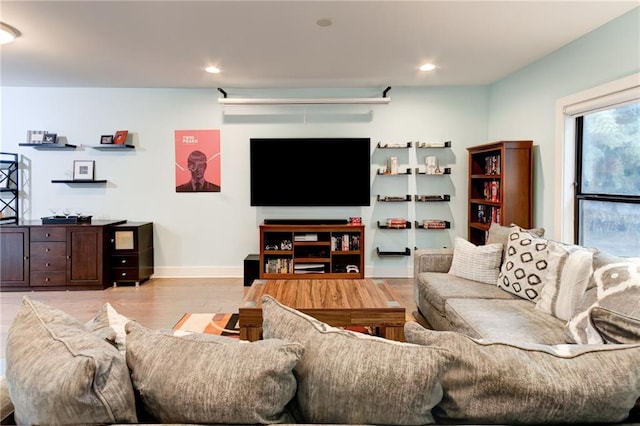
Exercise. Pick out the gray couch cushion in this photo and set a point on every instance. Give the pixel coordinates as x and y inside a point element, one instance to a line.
<point>348,377</point>
<point>509,320</point>
<point>497,382</point>
<point>477,263</point>
<point>614,327</point>
<point>199,380</point>
<point>437,287</point>
<point>60,373</point>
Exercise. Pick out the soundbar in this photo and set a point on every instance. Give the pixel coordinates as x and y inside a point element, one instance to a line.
<point>305,221</point>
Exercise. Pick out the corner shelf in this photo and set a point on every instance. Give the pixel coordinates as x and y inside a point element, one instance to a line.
<point>431,198</point>
<point>67,181</point>
<point>113,147</point>
<point>446,144</point>
<point>50,146</point>
<point>393,199</point>
<point>446,171</point>
<point>447,225</point>
<point>406,252</point>
<point>394,146</point>
<point>383,226</point>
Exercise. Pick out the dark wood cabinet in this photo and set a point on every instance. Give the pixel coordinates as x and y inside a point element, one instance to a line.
<point>311,251</point>
<point>55,257</point>
<point>131,252</point>
<point>500,186</point>
<point>14,257</point>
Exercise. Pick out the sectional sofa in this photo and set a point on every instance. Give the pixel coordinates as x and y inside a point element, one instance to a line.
<point>113,370</point>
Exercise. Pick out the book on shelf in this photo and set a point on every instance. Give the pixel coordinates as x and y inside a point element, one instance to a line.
<point>434,224</point>
<point>492,165</point>
<point>305,237</point>
<point>396,223</point>
<point>279,266</point>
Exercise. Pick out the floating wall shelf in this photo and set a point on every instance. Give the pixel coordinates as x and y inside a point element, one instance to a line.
<point>68,181</point>
<point>113,147</point>
<point>50,146</point>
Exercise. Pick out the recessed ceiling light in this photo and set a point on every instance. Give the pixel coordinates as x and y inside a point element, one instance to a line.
<point>8,33</point>
<point>324,22</point>
<point>212,70</point>
<point>427,67</point>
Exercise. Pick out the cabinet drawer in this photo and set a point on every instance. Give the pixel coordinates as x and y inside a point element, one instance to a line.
<point>125,274</point>
<point>51,263</point>
<point>124,261</point>
<point>48,233</point>
<point>45,278</point>
<point>46,250</point>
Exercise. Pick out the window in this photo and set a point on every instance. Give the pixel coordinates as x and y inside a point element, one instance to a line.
<point>607,196</point>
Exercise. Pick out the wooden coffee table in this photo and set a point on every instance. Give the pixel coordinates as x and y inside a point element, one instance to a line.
<point>339,303</point>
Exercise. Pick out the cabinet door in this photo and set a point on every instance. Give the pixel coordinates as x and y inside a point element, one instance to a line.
<point>14,257</point>
<point>85,256</point>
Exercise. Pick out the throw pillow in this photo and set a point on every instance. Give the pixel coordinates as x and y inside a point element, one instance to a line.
<point>348,377</point>
<point>60,373</point>
<point>198,380</point>
<point>477,263</point>
<point>110,324</point>
<point>614,327</point>
<point>525,265</point>
<point>616,286</point>
<point>568,273</point>
<point>504,383</point>
<point>500,234</point>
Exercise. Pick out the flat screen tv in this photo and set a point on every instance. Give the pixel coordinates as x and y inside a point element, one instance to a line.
<point>310,171</point>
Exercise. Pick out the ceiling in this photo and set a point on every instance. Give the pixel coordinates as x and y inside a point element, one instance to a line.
<point>278,44</point>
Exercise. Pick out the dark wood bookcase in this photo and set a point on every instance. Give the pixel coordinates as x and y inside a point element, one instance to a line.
<point>500,186</point>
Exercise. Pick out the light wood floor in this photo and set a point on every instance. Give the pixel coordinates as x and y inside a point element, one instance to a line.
<point>158,303</point>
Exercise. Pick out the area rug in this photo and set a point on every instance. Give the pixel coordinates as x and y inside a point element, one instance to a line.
<point>221,324</point>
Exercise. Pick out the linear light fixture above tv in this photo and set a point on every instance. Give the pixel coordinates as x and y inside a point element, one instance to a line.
<point>290,172</point>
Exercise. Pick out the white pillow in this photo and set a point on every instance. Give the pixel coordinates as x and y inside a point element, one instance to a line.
<point>568,272</point>
<point>477,263</point>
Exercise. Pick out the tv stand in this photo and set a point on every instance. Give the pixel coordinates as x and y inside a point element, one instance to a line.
<point>306,221</point>
<point>311,251</point>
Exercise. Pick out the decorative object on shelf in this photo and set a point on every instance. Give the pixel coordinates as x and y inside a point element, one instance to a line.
<point>83,169</point>
<point>106,139</point>
<point>432,165</point>
<point>50,138</point>
<point>355,220</point>
<point>120,137</point>
<point>446,144</point>
<point>35,136</point>
<point>392,145</point>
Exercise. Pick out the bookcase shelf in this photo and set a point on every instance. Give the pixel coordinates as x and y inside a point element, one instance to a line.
<point>500,186</point>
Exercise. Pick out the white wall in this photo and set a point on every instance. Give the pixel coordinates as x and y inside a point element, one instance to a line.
<point>209,234</point>
<point>523,104</point>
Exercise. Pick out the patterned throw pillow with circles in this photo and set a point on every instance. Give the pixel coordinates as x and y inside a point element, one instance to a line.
<point>525,265</point>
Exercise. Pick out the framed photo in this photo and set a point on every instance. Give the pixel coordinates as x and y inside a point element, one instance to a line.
<point>106,139</point>
<point>120,137</point>
<point>35,136</point>
<point>49,138</point>
<point>83,169</point>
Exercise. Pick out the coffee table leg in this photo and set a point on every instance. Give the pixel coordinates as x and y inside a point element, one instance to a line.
<point>393,333</point>
<point>250,333</point>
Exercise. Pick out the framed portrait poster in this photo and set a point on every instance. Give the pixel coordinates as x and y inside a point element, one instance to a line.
<point>83,169</point>
<point>197,160</point>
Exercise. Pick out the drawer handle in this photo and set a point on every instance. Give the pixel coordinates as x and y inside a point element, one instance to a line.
<point>46,279</point>
<point>124,260</point>
<point>47,235</point>
<point>47,264</point>
<point>124,274</point>
<point>47,249</point>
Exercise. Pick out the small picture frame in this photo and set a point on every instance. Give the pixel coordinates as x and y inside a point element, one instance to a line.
<point>83,169</point>
<point>106,139</point>
<point>49,138</point>
<point>35,136</point>
<point>120,137</point>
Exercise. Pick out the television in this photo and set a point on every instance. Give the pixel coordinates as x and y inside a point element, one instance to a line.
<point>310,171</point>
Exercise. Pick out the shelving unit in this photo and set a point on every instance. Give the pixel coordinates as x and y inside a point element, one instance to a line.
<point>69,181</point>
<point>500,186</point>
<point>9,188</point>
<point>113,147</point>
<point>311,251</point>
<point>50,146</point>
